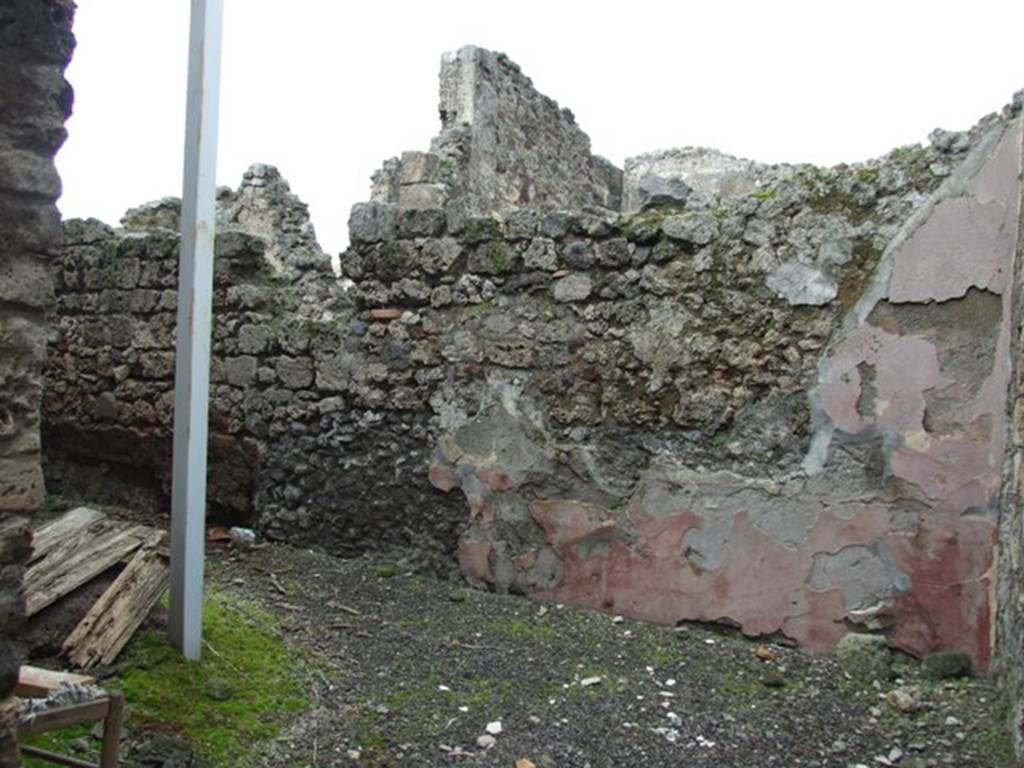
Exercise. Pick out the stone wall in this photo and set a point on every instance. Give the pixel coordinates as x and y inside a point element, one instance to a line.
<point>1010,595</point>
<point>502,145</point>
<point>779,406</point>
<point>322,460</point>
<point>35,46</point>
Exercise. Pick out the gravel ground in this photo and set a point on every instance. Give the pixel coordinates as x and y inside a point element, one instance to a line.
<point>408,670</point>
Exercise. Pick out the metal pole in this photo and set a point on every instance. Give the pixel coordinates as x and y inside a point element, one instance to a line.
<point>192,362</point>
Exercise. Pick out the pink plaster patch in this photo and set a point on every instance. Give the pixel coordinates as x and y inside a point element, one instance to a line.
<point>474,559</point>
<point>568,521</point>
<point>967,241</point>
<point>441,477</point>
<point>495,479</point>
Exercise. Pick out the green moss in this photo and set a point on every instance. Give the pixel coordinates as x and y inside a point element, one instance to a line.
<point>661,654</point>
<point>768,193</point>
<point>943,665</point>
<point>907,154</point>
<point>229,702</point>
<point>225,706</point>
<point>481,229</point>
<point>494,257</point>
<point>501,257</point>
<point>385,570</point>
<point>445,170</point>
<point>467,311</point>
<point>741,685</point>
<point>63,743</point>
<point>996,743</point>
<point>858,273</point>
<point>525,631</point>
<point>833,200</point>
<point>643,227</point>
<point>867,175</point>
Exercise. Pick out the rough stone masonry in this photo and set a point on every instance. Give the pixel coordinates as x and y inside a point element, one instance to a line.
<point>701,389</point>
<point>35,100</point>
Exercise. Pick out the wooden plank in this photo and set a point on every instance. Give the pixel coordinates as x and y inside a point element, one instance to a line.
<point>113,619</point>
<point>62,717</point>
<point>52,757</point>
<point>48,536</point>
<point>34,682</point>
<point>110,755</point>
<point>79,559</point>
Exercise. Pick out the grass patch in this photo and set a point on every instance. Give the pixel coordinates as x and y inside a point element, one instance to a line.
<point>225,706</point>
<point>230,701</point>
<point>63,743</point>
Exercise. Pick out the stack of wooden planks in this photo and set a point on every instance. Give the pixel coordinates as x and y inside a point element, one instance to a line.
<point>76,548</point>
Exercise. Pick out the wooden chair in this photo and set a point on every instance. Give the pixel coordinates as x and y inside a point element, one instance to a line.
<point>38,683</point>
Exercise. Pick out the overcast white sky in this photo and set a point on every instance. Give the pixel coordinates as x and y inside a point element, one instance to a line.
<point>327,89</point>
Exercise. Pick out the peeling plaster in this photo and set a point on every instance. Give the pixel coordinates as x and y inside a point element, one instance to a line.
<point>889,525</point>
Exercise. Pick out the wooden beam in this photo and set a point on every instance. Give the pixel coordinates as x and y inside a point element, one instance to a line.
<point>192,361</point>
<point>52,757</point>
<point>113,619</point>
<point>62,717</point>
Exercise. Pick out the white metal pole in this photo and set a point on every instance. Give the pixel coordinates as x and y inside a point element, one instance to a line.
<point>195,296</point>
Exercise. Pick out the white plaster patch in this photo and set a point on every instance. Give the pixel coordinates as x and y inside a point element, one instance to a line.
<point>800,284</point>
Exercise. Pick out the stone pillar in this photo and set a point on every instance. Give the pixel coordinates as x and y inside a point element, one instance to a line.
<point>35,100</point>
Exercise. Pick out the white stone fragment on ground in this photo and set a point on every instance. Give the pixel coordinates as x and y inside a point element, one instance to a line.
<point>486,741</point>
<point>586,682</point>
<point>903,699</point>
<point>671,735</point>
<point>494,727</point>
<point>242,536</point>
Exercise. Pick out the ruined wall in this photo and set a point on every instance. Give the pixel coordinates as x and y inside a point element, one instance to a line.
<point>320,461</point>
<point>502,145</point>
<point>622,400</point>
<point>35,100</point>
<point>773,396</point>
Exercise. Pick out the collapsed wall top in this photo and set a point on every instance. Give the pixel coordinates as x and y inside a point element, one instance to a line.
<point>502,145</point>
<point>263,206</point>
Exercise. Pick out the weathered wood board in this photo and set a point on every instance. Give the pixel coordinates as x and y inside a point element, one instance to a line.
<point>122,608</point>
<point>79,557</point>
<point>49,536</point>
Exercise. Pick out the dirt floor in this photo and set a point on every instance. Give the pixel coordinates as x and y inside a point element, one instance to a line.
<point>399,669</point>
<point>409,670</point>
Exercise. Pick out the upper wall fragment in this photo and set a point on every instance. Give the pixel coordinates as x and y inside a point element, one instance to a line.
<point>502,145</point>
